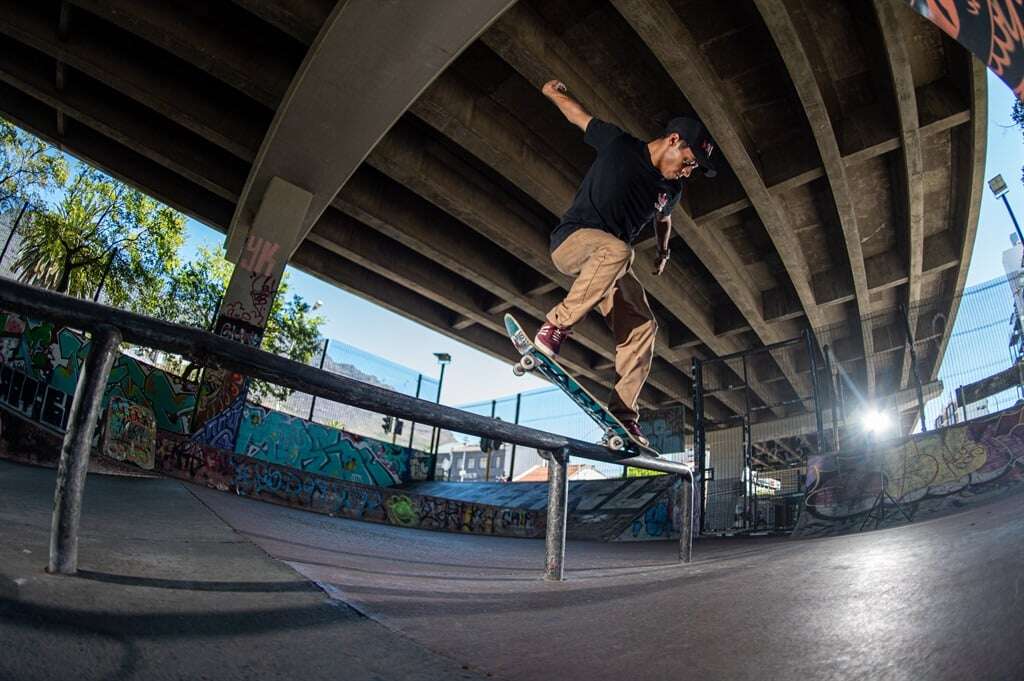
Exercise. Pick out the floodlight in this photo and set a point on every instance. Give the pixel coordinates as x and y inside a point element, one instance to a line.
<point>998,186</point>
<point>874,421</point>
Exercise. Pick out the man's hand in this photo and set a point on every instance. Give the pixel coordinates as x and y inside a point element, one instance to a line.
<point>553,87</point>
<point>660,260</point>
<point>556,91</point>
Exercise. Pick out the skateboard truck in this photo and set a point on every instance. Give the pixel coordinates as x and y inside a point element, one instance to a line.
<point>527,363</point>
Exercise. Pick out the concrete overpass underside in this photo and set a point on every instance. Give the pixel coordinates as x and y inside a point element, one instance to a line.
<point>852,134</point>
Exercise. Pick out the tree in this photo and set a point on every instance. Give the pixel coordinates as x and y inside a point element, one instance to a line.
<point>191,295</point>
<point>100,233</point>
<point>28,166</point>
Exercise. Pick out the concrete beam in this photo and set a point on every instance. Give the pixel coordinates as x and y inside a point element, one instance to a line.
<point>115,159</point>
<point>890,21</point>
<point>799,57</point>
<point>339,106</point>
<point>669,38</point>
<point>98,50</point>
<point>207,36</point>
<point>301,19</point>
<point>970,172</point>
<point>124,121</point>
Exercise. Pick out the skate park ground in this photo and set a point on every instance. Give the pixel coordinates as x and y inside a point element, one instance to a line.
<point>179,581</point>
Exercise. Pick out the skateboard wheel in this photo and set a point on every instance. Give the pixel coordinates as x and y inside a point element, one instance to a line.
<point>528,363</point>
<point>518,370</point>
<point>616,443</point>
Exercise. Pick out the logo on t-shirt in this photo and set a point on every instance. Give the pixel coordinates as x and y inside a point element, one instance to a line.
<point>708,148</point>
<point>662,201</point>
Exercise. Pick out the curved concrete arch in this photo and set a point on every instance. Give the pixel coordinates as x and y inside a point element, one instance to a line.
<point>369,63</point>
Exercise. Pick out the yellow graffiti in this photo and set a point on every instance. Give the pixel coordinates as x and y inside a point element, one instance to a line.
<point>922,464</point>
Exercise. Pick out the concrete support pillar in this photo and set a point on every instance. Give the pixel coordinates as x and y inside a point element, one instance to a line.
<point>245,310</point>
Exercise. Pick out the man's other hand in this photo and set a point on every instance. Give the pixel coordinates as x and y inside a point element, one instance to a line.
<point>660,260</point>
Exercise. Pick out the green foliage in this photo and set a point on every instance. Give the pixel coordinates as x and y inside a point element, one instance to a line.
<point>191,294</point>
<point>28,167</point>
<point>1018,118</point>
<point>100,230</point>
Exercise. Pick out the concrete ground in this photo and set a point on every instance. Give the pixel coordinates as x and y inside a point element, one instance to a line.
<point>168,580</point>
<point>167,590</point>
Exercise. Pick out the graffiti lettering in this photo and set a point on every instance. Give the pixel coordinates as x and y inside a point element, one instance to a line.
<point>262,256</point>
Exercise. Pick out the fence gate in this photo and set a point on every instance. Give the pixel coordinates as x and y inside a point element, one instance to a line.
<point>747,486</point>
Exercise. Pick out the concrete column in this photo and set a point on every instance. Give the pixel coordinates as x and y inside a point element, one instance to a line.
<point>245,310</point>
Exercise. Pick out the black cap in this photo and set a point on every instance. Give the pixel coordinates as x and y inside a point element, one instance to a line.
<point>697,138</point>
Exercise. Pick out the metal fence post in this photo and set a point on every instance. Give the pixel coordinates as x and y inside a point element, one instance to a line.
<point>833,397</point>
<point>512,457</point>
<point>323,358</point>
<point>558,498</point>
<point>699,442</point>
<point>684,515</point>
<point>809,336</point>
<point>913,366</point>
<point>74,453</point>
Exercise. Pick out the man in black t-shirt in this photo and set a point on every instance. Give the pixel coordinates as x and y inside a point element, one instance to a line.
<point>630,183</point>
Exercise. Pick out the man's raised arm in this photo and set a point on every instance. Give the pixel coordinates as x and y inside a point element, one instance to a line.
<point>556,91</point>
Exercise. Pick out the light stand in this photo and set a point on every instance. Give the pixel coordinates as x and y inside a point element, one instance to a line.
<point>877,510</point>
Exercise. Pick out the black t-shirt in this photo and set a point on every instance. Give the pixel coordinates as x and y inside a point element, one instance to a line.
<point>622,191</point>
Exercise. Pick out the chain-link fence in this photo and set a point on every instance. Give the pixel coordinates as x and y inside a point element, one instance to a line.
<point>941,361</point>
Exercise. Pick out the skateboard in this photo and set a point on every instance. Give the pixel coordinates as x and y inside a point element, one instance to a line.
<point>616,437</point>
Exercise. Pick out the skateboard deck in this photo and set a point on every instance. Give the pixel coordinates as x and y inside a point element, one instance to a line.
<point>616,438</point>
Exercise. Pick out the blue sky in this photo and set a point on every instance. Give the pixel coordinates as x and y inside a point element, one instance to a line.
<point>474,376</point>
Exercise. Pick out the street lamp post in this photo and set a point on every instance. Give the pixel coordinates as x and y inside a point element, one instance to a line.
<point>443,358</point>
<point>998,186</point>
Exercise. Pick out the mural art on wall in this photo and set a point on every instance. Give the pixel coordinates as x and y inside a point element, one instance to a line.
<point>129,433</point>
<point>290,441</point>
<point>182,458</point>
<point>42,362</point>
<point>930,466</point>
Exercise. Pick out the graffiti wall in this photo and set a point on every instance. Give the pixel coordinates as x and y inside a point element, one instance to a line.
<point>992,30</point>
<point>39,365</point>
<point>290,441</point>
<point>929,471</point>
<point>602,510</point>
<point>184,459</point>
<point>129,433</point>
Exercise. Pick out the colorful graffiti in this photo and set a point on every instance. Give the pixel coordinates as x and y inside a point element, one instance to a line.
<point>182,458</point>
<point>599,510</point>
<point>44,360</point>
<point>129,433</point>
<point>932,466</point>
<point>990,29</point>
<point>290,441</point>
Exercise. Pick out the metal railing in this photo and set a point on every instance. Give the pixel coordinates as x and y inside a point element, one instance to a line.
<point>109,326</point>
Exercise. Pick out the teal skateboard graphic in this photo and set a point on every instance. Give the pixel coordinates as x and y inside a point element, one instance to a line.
<point>616,437</point>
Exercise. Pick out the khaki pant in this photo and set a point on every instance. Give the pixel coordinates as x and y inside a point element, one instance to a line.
<point>601,264</point>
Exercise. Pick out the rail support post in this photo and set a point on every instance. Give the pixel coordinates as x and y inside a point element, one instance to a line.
<point>74,453</point>
<point>684,515</point>
<point>558,498</point>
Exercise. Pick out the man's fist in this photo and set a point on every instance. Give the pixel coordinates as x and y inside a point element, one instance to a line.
<point>553,87</point>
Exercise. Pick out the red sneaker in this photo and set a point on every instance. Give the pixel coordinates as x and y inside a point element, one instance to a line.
<point>549,339</point>
<point>634,429</point>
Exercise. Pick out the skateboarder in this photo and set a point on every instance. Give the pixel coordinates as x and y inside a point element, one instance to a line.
<point>630,183</point>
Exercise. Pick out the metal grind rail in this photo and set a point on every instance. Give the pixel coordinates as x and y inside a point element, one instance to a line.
<point>109,326</point>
